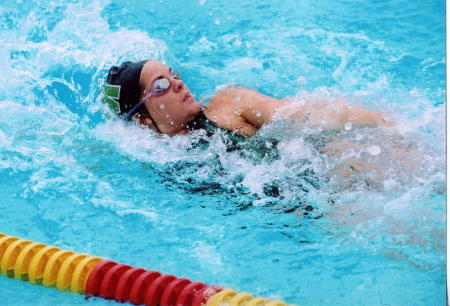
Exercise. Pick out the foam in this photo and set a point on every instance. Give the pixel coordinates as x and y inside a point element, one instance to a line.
<point>41,135</point>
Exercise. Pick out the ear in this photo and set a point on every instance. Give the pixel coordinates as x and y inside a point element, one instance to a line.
<point>138,118</point>
<point>144,120</point>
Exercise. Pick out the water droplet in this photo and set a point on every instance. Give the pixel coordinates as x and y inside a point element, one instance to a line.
<point>348,126</point>
<point>214,118</point>
<point>162,106</point>
<point>257,113</point>
<point>373,150</point>
<point>237,111</point>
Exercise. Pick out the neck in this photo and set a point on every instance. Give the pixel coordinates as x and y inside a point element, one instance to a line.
<point>165,127</point>
<point>173,130</point>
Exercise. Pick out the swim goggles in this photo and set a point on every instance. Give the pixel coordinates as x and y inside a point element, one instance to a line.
<point>158,88</point>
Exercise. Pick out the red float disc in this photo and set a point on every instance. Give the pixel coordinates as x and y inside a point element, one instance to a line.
<point>202,295</point>
<point>172,292</point>
<point>96,277</point>
<point>156,289</point>
<point>187,295</point>
<point>123,289</point>
<point>140,286</point>
<point>110,280</point>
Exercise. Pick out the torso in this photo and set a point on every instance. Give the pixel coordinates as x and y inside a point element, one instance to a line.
<point>257,148</point>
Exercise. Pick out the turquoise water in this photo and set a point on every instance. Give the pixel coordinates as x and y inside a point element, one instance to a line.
<point>274,227</point>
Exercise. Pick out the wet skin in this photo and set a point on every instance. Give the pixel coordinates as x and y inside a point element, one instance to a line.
<point>243,111</point>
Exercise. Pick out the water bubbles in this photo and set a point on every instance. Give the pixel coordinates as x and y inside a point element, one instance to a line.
<point>162,106</point>
<point>201,2</point>
<point>373,150</point>
<point>237,111</point>
<point>257,113</point>
<point>4,140</point>
<point>348,126</point>
<point>414,92</point>
<point>217,21</point>
<point>259,202</point>
<point>390,184</point>
<point>214,118</point>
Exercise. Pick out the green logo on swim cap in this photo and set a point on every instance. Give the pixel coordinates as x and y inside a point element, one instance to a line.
<point>111,94</point>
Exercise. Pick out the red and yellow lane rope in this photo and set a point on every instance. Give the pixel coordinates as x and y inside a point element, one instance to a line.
<point>80,273</point>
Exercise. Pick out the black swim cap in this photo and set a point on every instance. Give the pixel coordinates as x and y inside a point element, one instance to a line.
<point>122,90</point>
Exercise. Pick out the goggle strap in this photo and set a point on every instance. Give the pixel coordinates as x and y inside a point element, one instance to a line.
<point>133,109</point>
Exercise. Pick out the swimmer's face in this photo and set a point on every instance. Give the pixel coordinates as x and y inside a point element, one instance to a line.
<point>175,107</point>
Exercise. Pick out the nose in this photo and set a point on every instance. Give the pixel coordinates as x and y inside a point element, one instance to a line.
<point>177,85</point>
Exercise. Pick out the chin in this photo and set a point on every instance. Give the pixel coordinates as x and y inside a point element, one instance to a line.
<point>195,108</point>
<point>193,111</point>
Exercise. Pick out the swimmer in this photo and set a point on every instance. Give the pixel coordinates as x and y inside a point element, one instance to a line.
<point>155,96</point>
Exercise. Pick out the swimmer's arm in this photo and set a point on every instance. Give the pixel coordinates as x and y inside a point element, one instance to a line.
<point>255,108</point>
<point>251,108</point>
<point>361,117</point>
<point>233,123</point>
<point>334,114</point>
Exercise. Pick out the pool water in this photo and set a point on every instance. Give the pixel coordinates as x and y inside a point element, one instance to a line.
<point>269,224</point>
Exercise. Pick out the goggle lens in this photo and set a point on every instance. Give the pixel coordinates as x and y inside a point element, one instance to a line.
<point>160,86</point>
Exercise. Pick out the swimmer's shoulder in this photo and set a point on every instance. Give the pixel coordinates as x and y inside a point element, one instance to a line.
<point>225,110</point>
<point>238,96</point>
